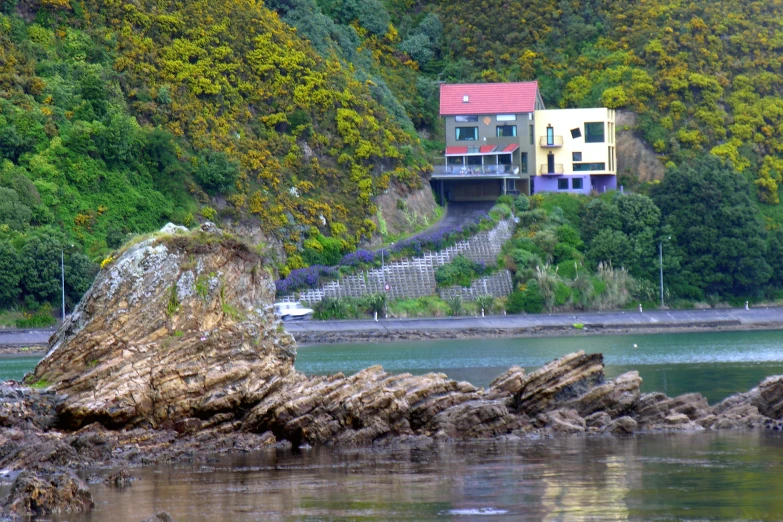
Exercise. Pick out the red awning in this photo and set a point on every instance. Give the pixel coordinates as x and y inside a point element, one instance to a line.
<point>456,151</point>
<point>483,150</point>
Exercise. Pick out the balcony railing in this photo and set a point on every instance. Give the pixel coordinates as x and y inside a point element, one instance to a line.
<point>556,141</point>
<point>475,170</point>
<point>544,169</point>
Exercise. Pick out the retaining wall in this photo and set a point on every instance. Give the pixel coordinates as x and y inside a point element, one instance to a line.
<point>415,277</point>
<point>497,284</point>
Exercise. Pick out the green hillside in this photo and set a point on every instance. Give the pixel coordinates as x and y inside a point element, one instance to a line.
<point>291,116</point>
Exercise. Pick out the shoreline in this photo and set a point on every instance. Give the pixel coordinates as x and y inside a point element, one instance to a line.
<point>308,333</point>
<point>542,325</point>
<point>518,333</point>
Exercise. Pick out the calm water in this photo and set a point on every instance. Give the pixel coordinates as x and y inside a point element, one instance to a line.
<point>698,476</point>
<point>715,364</point>
<point>702,476</point>
<point>14,367</point>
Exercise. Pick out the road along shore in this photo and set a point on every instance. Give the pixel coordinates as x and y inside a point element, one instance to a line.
<point>32,342</point>
<point>587,323</point>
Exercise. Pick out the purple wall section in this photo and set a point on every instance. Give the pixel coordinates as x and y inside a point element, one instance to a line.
<point>590,183</point>
<point>604,183</point>
<point>549,184</point>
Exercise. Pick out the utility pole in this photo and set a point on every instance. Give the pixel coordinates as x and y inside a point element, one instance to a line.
<point>660,262</point>
<point>62,278</point>
<point>660,259</point>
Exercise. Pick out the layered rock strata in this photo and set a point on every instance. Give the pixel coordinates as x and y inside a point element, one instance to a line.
<point>180,325</point>
<point>175,353</point>
<point>178,334</point>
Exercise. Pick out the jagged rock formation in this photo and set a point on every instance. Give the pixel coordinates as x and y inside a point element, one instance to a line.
<point>179,325</point>
<point>177,345</point>
<point>178,333</point>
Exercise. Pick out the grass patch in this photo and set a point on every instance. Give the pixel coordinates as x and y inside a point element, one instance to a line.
<point>172,307</point>
<point>232,312</point>
<point>40,384</point>
<point>8,318</point>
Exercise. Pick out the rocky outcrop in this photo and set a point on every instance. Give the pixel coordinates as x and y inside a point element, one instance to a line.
<point>177,334</point>
<point>635,156</point>
<point>177,345</point>
<point>178,326</point>
<point>32,495</point>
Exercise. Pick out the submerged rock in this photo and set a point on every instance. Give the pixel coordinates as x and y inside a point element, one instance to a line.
<point>160,517</point>
<point>36,495</point>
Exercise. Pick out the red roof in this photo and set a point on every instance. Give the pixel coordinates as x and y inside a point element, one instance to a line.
<point>487,98</point>
<point>486,149</point>
<point>511,148</point>
<point>456,150</point>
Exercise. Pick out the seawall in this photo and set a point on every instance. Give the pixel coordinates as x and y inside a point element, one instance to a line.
<point>587,323</point>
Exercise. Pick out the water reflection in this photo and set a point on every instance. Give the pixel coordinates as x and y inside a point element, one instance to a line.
<point>733,475</point>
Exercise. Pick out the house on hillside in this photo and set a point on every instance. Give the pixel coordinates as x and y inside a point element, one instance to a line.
<point>500,139</point>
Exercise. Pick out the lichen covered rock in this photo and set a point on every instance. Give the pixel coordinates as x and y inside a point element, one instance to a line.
<point>178,326</point>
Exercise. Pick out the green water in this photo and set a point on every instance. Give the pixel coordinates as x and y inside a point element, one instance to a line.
<point>730,475</point>
<point>714,364</point>
<point>14,367</point>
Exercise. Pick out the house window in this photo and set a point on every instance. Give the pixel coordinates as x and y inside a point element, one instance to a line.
<point>532,134</point>
<point>455,160</point>
<point>576,133</point>
<point>464,119</point>
<point>585,167</point>
<point>576,183</point>
<point>504,159</point>
<point>467,133</point>
<point>594,132</point>
<point>524,162</point>
<point>550,135</point>
<point>511,184</point>
<point>562,184</point>
<point>474,160</point>
<point>576,156</point>
<point>507,117</point>
<point>506,131</point>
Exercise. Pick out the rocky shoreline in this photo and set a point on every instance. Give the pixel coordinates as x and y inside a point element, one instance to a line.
<point>175,354</point>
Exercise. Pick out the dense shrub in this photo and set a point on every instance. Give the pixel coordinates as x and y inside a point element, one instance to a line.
<point>529,299</point>
<point>522,203</point>
<point>460,271</point>
<point>524,258</point>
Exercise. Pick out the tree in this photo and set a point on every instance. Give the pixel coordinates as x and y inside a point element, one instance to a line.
<point>10,273</point>
<point>12,211</point>
<point>611,246</point>
<point>215,172</point>
<point>40,279</point>
<point>719,233</point>
<point>624,230</point>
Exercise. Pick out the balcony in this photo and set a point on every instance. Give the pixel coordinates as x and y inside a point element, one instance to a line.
<point>555,142</point>
<point>475,171</point>
<point>544,170</point>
